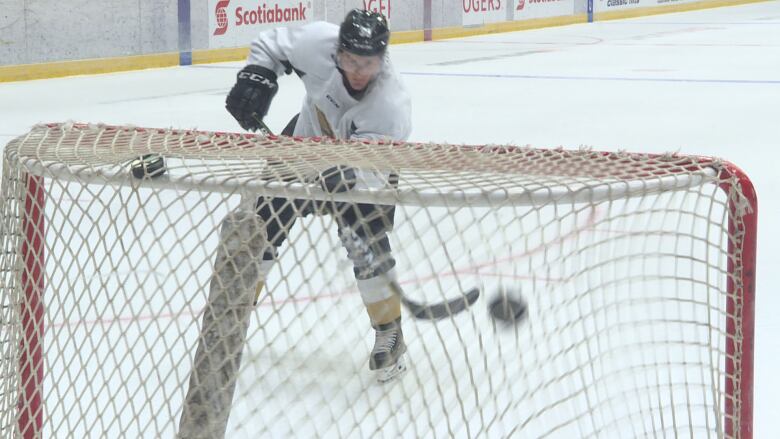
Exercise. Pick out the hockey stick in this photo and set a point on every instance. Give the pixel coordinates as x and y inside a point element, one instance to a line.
<point>263,129</point>
<point>436,311</point>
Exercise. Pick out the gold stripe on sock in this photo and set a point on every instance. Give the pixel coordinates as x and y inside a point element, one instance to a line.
<point>384,311</point>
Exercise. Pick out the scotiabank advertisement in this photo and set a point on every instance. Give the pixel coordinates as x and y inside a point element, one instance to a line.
<point>476,12</point>
<point>525,9</point>
<point>235,23</point>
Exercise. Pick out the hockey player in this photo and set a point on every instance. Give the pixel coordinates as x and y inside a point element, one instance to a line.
<point>352,92</point>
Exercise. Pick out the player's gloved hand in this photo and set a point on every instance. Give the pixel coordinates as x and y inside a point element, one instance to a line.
<point>338,179</point>
<point>249,99</point>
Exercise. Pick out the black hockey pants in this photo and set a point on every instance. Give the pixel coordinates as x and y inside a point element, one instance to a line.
<point>362,228</point>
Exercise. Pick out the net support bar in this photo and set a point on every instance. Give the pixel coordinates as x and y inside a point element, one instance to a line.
<point>590,192</point>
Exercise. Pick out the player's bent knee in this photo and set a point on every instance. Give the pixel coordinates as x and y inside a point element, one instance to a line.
<point>370,255</point>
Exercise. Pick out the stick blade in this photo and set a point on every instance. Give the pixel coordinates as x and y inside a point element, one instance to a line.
<point>441,310</point>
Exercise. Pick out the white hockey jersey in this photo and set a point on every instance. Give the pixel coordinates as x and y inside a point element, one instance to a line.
<point>382,113</point>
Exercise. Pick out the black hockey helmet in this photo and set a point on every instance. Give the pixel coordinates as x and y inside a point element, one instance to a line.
<point>364,33</point>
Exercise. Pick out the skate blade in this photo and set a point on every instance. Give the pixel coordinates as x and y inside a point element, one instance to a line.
<point>392,372</point>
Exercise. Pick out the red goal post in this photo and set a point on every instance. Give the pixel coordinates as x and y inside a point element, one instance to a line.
<point>431,176</point>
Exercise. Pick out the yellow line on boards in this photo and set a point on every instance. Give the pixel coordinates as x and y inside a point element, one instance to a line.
<point>208,56</point>
<point>25,72</point>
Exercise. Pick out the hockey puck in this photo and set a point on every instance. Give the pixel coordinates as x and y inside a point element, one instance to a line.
<point>507,309</point>
<point>149,165</point>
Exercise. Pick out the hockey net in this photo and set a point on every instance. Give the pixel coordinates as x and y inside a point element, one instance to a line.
<point>637,271</point>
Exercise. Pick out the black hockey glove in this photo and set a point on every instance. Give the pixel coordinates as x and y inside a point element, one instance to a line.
<point>249,99</point>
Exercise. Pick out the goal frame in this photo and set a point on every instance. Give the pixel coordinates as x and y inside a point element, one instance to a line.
<point>742,220</point>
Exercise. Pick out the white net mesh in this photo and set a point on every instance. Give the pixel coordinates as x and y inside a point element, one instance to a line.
<point>632,268</point>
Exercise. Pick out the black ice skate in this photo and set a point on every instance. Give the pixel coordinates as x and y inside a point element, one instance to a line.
<point>387,356</point>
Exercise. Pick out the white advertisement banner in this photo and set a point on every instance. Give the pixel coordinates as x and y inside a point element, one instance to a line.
<point>235,23</point>
<point>384,7</point>
<point>525,9</point>
<point>616,5</point>
<point>476,12</point>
